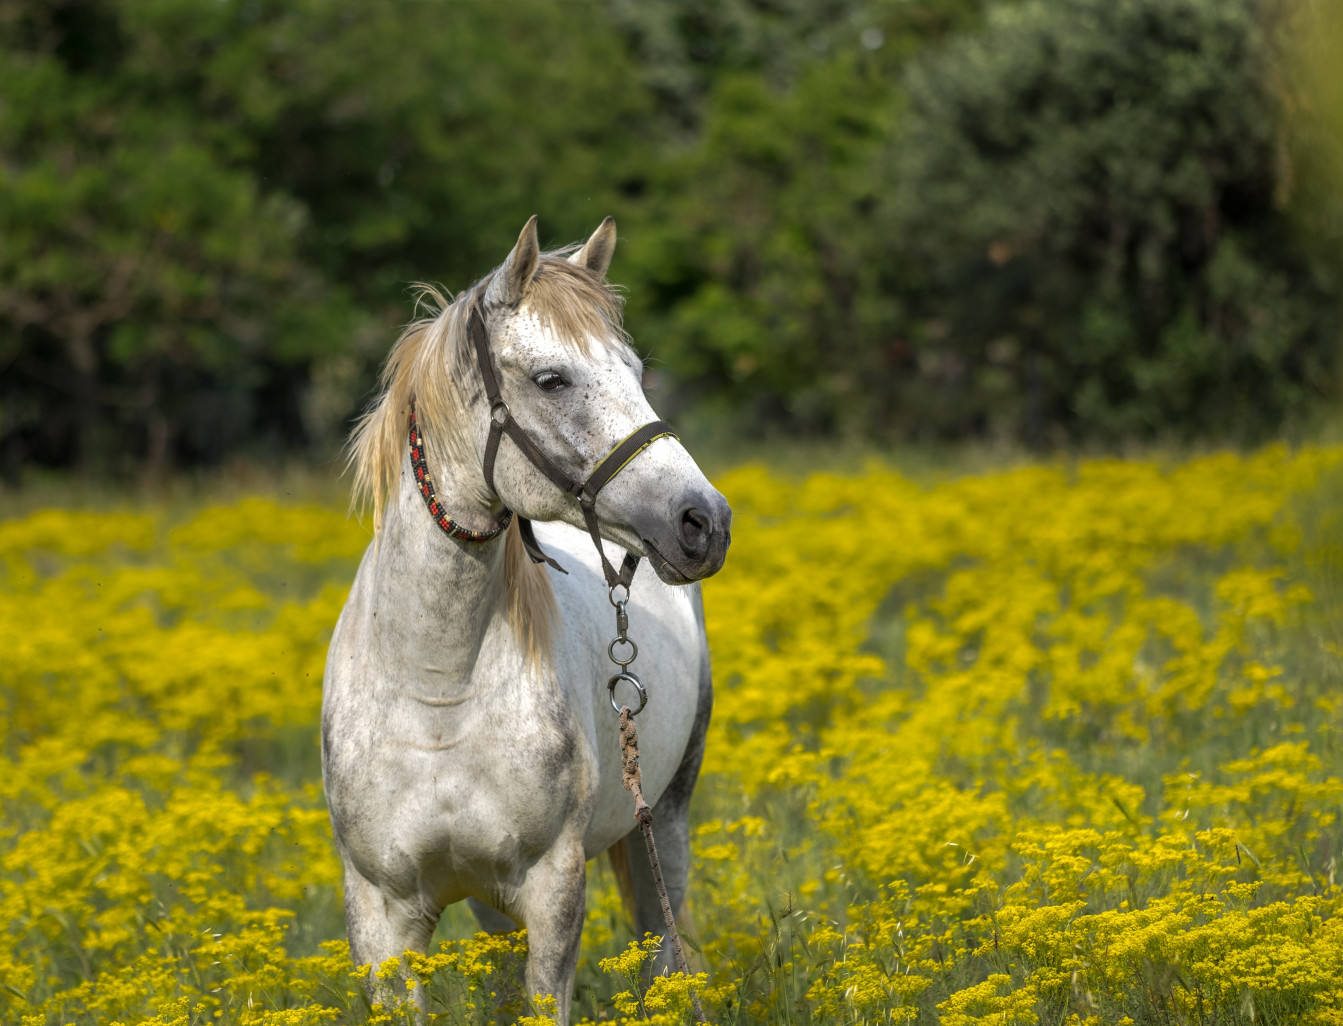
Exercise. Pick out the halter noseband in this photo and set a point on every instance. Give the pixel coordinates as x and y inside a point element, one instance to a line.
<point>502,423</point>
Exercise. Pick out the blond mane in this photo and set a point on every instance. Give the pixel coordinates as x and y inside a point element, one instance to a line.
<point>432,365</point>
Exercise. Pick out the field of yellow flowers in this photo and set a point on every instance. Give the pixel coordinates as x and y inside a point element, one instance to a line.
<point>1054,745</point>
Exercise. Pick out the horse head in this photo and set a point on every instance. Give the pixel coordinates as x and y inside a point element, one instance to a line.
<point>568,378</point>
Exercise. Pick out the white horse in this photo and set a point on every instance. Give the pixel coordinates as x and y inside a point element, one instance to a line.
<point>469,746</point>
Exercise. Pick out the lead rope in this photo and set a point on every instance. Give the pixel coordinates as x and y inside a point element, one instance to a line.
<point>629,762</point>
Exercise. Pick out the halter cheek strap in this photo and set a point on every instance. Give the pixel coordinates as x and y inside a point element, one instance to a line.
<point>502,423</point>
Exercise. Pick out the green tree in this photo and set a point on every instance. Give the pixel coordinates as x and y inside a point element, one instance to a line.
<point>756,261</point>
<point>753,264</point>
<point>204,207</point>
<point>1094,192</point>
<point>150,287</point>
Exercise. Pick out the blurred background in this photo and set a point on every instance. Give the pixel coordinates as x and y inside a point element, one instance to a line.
<point>1061,224</point>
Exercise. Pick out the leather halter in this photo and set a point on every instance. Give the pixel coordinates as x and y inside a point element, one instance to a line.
<point>502,423</point>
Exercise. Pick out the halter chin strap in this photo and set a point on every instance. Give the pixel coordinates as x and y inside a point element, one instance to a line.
<point>502,423</point>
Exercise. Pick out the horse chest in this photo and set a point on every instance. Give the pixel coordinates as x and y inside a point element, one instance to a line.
<point>468,791</point>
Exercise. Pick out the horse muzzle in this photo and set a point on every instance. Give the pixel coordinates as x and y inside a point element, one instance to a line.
<point>694,544</point>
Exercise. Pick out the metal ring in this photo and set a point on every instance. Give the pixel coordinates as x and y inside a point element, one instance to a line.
<point>638,685</point>
<point>611,595</point>
<point>495,410</point>
<point>611,651</point>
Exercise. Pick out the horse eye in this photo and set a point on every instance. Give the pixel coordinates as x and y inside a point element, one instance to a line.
<point>549,380</point>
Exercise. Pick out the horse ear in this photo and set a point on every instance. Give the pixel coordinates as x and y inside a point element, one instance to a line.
<point>597,251</point>
<point>510,281</point>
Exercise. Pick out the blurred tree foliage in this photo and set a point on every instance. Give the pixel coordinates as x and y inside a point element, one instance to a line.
<point>1083,218</point>
<point>1095,197</point>
<point>210,211</point>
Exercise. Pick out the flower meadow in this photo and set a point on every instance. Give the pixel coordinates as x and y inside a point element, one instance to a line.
<point>1054,745</point>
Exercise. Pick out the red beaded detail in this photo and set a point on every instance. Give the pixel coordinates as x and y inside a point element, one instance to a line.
<point>426,486</point>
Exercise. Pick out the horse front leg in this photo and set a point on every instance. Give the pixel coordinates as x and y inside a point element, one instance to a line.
<point>551,906</point>
<point>381,927</point>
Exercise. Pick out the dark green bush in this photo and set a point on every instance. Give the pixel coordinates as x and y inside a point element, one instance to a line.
<point>1096,196</point>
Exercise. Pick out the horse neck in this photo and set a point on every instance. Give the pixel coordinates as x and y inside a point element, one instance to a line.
<point>435,596</point>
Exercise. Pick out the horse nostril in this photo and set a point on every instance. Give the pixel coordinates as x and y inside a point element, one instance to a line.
<point>695,530</point>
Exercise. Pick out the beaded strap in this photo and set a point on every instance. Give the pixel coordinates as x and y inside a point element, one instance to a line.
<point>426,486</point>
